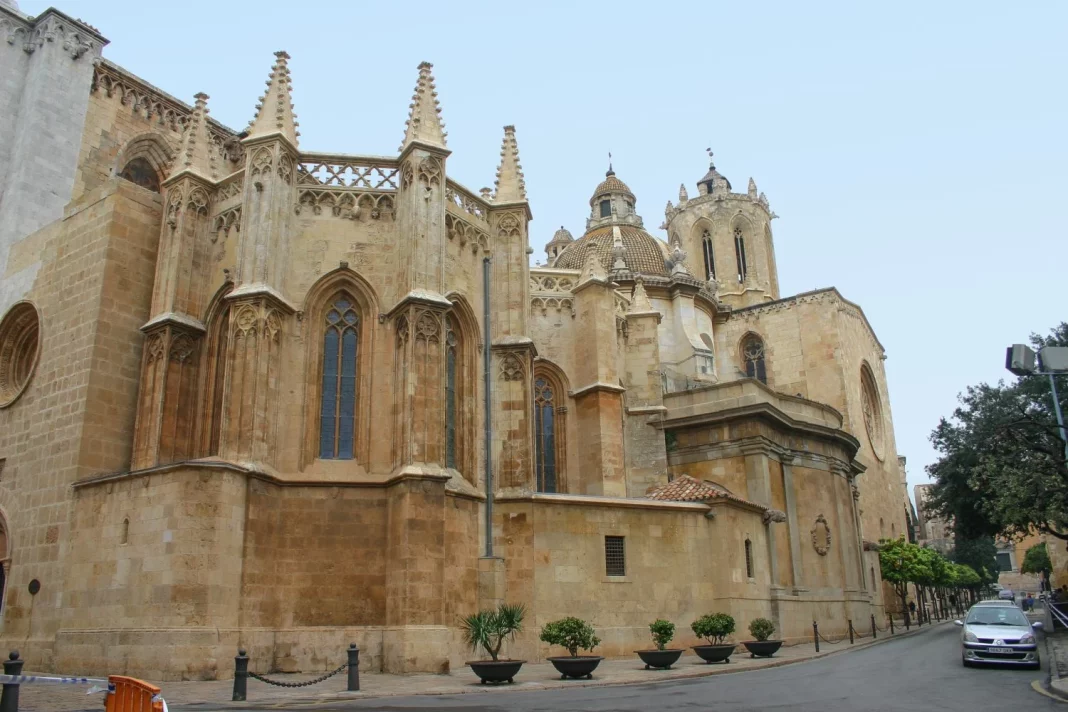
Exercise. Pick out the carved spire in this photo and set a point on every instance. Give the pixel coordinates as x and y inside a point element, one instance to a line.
<point>424,115</point>
<point>274,112</point>
<point>683,195</point>
<point>196,153</point>
<point>510,186</point>
<point>639,300</point>
<point>619,250</point>
<point>593,269</point>
<point>752,189</point>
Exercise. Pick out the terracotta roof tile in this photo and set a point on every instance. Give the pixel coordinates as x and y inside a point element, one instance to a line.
<point>645,254</point>
<point>687,489</point>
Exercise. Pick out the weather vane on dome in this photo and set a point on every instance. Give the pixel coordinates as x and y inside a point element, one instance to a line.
<point>610,171</point>
<point>709,150</point>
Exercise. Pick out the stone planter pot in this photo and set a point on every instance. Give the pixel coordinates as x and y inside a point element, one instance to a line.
<point>715,653</point>
<point>496,670</point>
<point>660,659</point>
<point>762,648</point>
<point>576,667</point>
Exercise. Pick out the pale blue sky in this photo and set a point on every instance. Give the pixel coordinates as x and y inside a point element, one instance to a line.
<point>915,151</point>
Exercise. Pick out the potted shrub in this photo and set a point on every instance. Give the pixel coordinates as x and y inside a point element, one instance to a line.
<point>761,629</point>
<point>662,656</point>
<point>714,627</point>
<point>573,634</point>
<point>488,630</point>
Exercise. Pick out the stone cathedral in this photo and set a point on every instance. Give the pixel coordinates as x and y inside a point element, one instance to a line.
<point>257,396</point>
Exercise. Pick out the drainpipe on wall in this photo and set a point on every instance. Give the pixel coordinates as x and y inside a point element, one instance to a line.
<point>486,362</point>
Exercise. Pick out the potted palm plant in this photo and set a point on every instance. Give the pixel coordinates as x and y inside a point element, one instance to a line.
<point>662,656</point>
<point>573,634</point>
<point>761,629</point>
<point>714,627</point>
<point>487,630</point>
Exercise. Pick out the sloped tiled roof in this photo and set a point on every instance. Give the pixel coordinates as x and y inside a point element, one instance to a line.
<point>610,184</point>
<point>688,489</point>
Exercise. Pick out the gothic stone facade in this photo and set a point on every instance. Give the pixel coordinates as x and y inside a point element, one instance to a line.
<point>252,395</point>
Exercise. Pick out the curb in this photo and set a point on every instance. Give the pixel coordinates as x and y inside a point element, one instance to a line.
<point>296,703</point>
<point>1045,686</point>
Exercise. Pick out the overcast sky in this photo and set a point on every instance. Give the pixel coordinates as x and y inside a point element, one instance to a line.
<point>915,151</point>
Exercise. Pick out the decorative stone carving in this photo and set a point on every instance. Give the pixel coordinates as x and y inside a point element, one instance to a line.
<point>821,536</point>
<point>430,171</point>
<point>427,327</point>
<point>774,515</point>
<point>285,169</point>
<point>154,348</point>
<point>508,225</point>
<point>181,348</point>
<point>198,201</point>
<point>511,368</point>
<point>261,163</point>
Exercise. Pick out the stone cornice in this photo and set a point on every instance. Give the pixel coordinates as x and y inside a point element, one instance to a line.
<point>581,500</point>
<point>439,151</point>
<point>183,321</point>
<point>425,297</point>
<point>264,291</point>
<point>598,386</point>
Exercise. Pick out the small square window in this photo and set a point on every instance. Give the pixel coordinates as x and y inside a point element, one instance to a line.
<point>606,208</point>
<point>615,558</point>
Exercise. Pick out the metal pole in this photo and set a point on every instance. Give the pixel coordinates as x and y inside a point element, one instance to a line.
<point>1060,417</point>
<point>487,340</point>
<point>354,668</point>
<point>850,631</point>
<point>816,635</point>
<point>873,628</point>
<point>9,698</point>
<point>240,676</point>
<point>891,617</point>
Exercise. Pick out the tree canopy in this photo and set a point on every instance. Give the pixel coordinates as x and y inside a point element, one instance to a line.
<point>1036,560</point>
<point>1002,468</point>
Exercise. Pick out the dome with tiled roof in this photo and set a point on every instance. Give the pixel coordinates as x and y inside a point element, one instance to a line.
<point>610,184</point>
<point>644,253</point>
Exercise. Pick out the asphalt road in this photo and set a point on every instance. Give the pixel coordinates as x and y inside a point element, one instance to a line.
<point>919,673</point>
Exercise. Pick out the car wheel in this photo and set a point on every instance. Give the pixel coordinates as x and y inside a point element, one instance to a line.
<point>965,662</point>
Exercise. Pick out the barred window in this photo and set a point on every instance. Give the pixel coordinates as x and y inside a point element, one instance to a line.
<point>739,255</point>
<point>710,257</point>
<point>615,557</point>
<point>748,559</point>
<point>753,354</point>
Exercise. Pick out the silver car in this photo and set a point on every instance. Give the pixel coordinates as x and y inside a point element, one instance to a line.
<point>998,634</point>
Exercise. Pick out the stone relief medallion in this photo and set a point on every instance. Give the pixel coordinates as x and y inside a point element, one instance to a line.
<point>821,536</point>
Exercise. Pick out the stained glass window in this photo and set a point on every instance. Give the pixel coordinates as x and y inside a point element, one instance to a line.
<point>141,172</point>
<point>753,354</point>
<point>545,435</point>
<point>337,412</point>
<point>451,344</point>
<point>222,337</point>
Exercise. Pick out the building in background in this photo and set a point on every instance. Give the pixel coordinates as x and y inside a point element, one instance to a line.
<point>932,530</point>
<point>257,396</point>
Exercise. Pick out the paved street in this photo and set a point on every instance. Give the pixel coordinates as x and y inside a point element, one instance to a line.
<point>918,673</point>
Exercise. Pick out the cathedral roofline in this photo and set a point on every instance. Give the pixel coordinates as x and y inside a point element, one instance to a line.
<point>812,293</point>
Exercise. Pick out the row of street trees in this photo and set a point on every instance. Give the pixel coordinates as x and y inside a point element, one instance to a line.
<point>937,580</point>
<point>1001,469</point>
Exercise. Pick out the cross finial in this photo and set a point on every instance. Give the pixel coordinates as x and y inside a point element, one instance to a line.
<point>610,171</point>
<point>709,150</point>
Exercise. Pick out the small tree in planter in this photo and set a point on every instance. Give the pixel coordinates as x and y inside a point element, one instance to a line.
<point>487,630</point>
<point>761,629</point>
<point>573,634</point>
<point>662,657</point>
<point>715,628</point>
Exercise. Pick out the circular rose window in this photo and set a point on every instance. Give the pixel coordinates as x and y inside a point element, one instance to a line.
<point>19,340</point>
<point>873,410</point>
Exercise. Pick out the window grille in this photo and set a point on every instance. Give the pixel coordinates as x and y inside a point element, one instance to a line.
<point>615,558</point>
<point>748,559</point>
<point>710,257</point>
<point>739,254</point>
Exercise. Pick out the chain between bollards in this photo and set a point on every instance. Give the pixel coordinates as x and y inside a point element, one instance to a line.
<point>242,674</point>
<point>9,698</point>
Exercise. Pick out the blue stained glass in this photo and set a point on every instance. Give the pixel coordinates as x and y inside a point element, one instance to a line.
<point>342,304</point>
<point>332,317</point>
<point>328,410</point>
<point>347,410</point>
<point>549,450</point>
<point>450,409</point>
<point>350,317</point>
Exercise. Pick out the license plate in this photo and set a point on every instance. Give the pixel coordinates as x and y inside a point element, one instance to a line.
<point>1001,650</point>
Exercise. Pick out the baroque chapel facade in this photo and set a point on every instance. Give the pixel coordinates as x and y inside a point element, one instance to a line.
<point>255,396</point>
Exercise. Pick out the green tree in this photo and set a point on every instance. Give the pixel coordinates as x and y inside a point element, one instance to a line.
<point>1002,468</point>
<point>903,563</point>
<point>1036,561</point>
<point>980,555</point>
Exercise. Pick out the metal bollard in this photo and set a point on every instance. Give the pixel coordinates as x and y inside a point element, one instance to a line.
<point>873,628</point>
<point>891,617</point>
<point>240,676</point>
<point>816,635</point>
<point>850,631</point>
<point>354,668</point>
<point>9,698</point>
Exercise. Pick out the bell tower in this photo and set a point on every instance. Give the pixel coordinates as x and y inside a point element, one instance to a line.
<point>727,237</point>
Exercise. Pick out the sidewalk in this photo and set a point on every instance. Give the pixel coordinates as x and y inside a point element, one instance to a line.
<point>1057,656</point>
<point>534,676</point>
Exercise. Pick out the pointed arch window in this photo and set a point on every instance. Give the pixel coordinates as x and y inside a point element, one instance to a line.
<point>337,412</point>
<point>710,257</point>
<point>739,253</point>
<point>452,344</point>
<point>754,357</point>
<point>141,172</point>
<point>550,429</point>
<point>220,344</point>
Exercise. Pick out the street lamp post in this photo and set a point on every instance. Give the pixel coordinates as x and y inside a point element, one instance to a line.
<point>1052,360</point>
